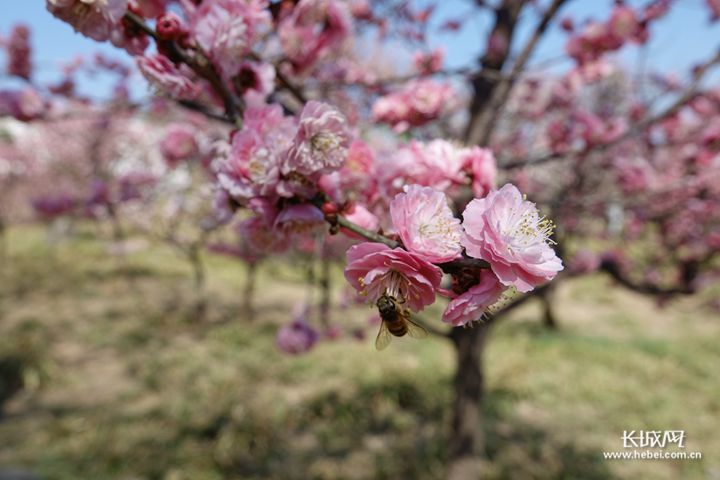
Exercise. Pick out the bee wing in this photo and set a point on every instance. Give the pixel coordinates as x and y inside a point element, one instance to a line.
<point>415,330</point>
<point>383,337</point>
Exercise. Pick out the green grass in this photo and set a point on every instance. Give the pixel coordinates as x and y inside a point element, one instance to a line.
<point>125,382</point>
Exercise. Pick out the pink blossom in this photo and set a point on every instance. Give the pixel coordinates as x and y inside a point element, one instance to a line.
<point>259,229</point>
<point>584,261</point>
<point>623,23</point>
<point>255,81</point>
<point>361,10</point>
<point>356,176</point>
<point>416,104</point>
<point>321,143</point>
<point>179,144</point>
<point>471,305</point>
<point>167,78</point>
<point>134,184</point>
<point>559,135</point>
<point>483,167</point>
<point>374,269</point>
<point>129,38</point>
<point>261,236</point>
<point>633,175</point>
<point>170,26</point>
<point>151,8</point>
<point>425,223</point>
<point>437,164</point>
<point>430,62</point>
<point>297,219</point>
<point>252,166</point>
<point>25,105</point>
<point>250,169</point>
<point>332,332</point>
<point>312,30</point>
<point>222,208</point>
<point>507,231</point>
<point>227,29</point>
<point>361,216</point>
<point>497,43</point>
<point>296,338</point>
<point>567,24</point>
<point>656,9</point>
<point>96,19</point>
<point>53,206</point>
<point>18,52</point>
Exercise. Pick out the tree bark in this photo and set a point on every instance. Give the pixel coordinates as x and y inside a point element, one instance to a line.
<point>506,16</point>
<point>3,243</point>
<point>547,297</point>
<point>324,283</point>
<point>198,267</point>
<point>466,441</point>
<point>248,305</point>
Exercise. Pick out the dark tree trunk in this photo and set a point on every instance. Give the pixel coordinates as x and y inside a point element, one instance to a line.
<point>506,16</point>
<point>248,305</point>
<point>547,297</point>
<point>198,267</point>
<point>466,442</point>
<point>324,282</point>
<point>3,243</point>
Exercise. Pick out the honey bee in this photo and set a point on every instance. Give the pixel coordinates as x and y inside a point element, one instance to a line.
<point>395,321</point>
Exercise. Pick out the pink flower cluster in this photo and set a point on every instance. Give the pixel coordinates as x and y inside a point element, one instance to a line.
<point>502,229</point>
<point>168,78</point>
<point>24,105</point>
<point>507,231</point>
<point>18,52</point>
<point>179,144</point>
<point>273,157</point>
<point>297,337</point>
<point>356,177</point>
<point>97,19</point>
<point>226,30</point>
<point>374,269</point>
<point>625,25</point>
<point>274,163</point>
<point>472,304</point>
<point>430,62</point>
<point>312,30</point>
<point>438,164</point>
<point>426,225</point>
<point>415,104</point>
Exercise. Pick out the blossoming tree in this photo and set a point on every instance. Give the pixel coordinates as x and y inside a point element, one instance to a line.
<point>306,150</point>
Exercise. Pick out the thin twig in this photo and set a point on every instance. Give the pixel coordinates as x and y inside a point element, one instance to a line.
<point>429,327</point>
<point>688,94</point>
<point>201,65</point>
<point>196,107</point>
<point>372,236</point>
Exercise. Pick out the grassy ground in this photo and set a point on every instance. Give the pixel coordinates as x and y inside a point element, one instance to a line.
<point>124,383</point>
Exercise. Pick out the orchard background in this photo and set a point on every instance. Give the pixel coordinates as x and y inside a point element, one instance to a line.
<point>209,208</point>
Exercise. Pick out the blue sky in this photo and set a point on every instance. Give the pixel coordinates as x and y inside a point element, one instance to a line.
<point>681,39</point>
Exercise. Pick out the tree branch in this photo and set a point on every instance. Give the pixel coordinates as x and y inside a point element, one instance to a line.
<point>197,107</point>
<point>506,15</point>
<point>429,327</point>
<point>613,269</point>
<point>484,126</point>
<point>689,93</point>
<point>200,64</point>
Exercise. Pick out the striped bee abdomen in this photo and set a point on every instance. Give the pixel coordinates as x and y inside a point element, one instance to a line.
<point>397,327</point>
